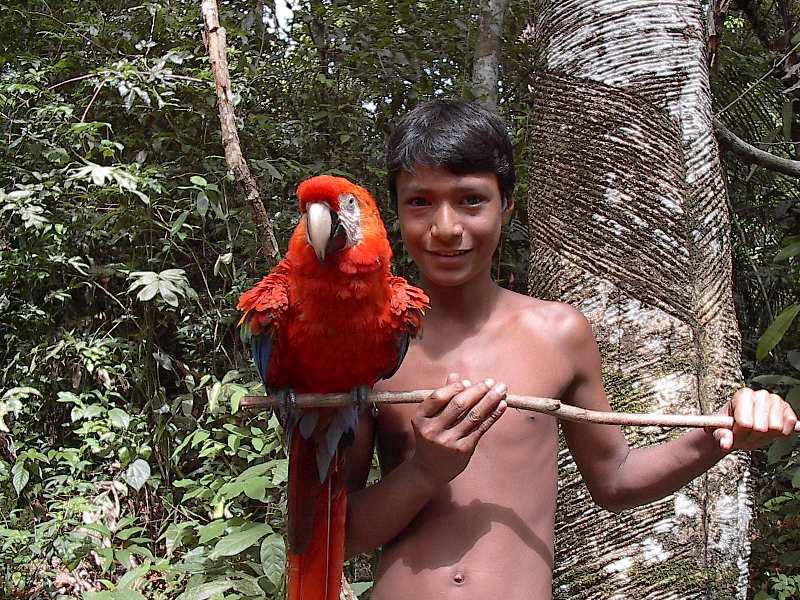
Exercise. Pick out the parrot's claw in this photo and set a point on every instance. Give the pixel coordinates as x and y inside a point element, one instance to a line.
<point>361,396</point>
<point>290,400</point>
<point>287,402</point>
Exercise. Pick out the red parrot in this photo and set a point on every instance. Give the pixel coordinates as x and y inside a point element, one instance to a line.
<point>329,318</point>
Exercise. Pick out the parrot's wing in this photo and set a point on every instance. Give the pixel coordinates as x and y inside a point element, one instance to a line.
<point>261,351</point>
<point>264,308</point>
<point>407,306</point>
<point>403,342</point>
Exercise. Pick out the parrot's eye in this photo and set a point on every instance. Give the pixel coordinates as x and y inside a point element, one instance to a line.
<point>351,201</point>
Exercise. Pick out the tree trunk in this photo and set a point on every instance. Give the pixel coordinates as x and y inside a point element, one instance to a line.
<point>486,62</point>
<point>629,223</point>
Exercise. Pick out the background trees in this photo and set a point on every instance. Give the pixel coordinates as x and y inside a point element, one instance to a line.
<point>124,245</point>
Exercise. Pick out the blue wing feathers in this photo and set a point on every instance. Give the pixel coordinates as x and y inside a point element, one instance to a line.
<point>260,350</point>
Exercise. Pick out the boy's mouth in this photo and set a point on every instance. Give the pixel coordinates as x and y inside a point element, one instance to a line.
<point>449,253</point>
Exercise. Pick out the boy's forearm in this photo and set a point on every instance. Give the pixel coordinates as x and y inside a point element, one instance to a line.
<point>378,513</point>
<point>648,474</point>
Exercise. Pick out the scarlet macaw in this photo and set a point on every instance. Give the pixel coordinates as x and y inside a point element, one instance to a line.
<point>330,317</point>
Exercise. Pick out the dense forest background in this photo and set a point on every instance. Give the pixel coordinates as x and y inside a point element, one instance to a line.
<point>127,469</point>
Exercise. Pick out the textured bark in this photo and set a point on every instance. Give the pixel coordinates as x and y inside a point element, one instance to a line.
<point>629,223</point>
<point>214,38</point>
<point>486,64</point>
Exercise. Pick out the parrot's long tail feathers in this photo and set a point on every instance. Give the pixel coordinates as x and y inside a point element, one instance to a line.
<point>316,544</point>
<point>305,492</point>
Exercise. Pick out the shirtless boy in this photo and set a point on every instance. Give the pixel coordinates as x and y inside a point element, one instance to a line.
<point>459,523</point>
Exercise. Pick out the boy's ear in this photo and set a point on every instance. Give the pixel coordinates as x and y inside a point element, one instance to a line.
<point>507,211</point>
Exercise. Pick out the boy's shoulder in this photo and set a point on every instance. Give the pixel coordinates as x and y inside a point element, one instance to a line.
<point>557,321</point>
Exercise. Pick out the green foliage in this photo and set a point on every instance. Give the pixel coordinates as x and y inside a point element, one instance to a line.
<point>127,469</point>
<point>776,331</point>
<point>750,97</point>
<point>775,550</point>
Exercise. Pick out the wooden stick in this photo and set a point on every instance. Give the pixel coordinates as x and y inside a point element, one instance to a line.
<point>548,406</point>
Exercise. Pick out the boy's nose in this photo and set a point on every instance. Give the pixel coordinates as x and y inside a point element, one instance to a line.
<point>445,226</point>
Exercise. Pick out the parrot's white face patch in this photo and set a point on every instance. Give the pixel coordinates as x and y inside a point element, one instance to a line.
<point>350,218</point>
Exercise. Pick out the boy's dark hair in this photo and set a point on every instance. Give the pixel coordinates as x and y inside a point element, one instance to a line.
<point>462,137</point>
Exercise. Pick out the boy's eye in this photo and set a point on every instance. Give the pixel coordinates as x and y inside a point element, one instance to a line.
<point>472,200</point>
<point>417,202</point>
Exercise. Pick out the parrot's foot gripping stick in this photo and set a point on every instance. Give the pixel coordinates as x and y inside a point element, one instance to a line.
<point>285,403</point>
<point>360,394</point>
<point>548,406</point>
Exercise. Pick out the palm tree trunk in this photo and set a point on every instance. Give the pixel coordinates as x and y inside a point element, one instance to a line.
<point>630,224</point>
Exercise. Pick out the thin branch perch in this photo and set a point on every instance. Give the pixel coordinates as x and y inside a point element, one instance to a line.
<point>214,38</point>
<point>548,406</point>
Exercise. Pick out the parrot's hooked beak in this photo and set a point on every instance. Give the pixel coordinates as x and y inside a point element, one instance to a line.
<point>325,232</point>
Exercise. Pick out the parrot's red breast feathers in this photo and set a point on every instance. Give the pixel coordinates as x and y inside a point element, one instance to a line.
<point>266,302</point>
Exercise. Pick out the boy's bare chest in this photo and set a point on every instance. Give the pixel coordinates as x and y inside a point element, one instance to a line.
<point>529,367</point>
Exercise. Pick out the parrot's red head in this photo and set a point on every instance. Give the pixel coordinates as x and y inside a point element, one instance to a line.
<point>342,222</point>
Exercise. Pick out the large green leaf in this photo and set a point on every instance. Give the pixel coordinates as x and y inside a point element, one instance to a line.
<point>236,542</point>
<point>148,292</point>
<point>205,591</point>
<point>168,292</point>
<point>173,536</point>
<point>776,331</point>
<point>273,558</point>
<point>212,530</point>
<point>256,488</point>
<point>137,474</point>
<point>119,418</point>
<point>788,252</point>
<point>19,477</point>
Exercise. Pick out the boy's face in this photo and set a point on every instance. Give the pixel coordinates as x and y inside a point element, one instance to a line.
<point>450,223</point>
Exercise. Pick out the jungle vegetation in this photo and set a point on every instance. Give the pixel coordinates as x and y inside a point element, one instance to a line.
<point>127,468</point>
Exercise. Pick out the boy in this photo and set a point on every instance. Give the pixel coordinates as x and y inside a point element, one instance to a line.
<point>453,521</point>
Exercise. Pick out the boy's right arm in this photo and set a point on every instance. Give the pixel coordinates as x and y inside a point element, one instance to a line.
<point>447,428</point>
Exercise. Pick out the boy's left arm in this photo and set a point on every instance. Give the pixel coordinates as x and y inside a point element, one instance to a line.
<point>620,477</point>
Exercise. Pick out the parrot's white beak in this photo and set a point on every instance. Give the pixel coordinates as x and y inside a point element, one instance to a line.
<point>318,227</point>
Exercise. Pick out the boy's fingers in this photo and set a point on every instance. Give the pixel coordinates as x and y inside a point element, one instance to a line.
<point>473,438</point>
<point>776,412</point>
<point>484,409</point>
<point>790,420</point>
<point>761,411</point>
<point>743,415</point>
<point>725,438</point>
<point>461,404</point>
<point>440,398</point>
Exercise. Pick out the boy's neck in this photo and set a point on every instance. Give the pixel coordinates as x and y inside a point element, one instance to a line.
<point>468,305</point>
